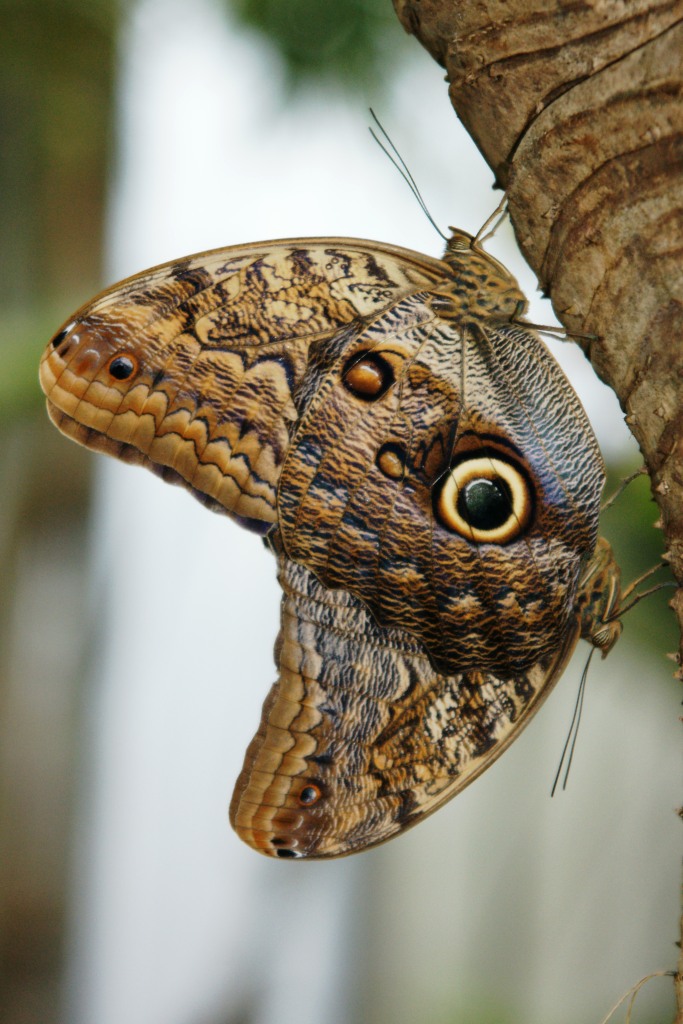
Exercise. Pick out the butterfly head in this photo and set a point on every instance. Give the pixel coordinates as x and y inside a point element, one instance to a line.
<point>480,287</point>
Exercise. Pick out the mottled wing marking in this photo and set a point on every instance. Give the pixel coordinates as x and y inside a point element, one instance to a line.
<point>221,343</point>
<point>360,719</point>
<point>323,391</point>
<point>472,606</point>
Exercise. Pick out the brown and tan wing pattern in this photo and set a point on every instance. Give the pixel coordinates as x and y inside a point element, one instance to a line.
<point>450,394</point>
<point>360,738</point>
<point>427,478</point>
<point>190,368</point>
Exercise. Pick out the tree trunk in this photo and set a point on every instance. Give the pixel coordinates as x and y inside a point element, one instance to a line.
<point>577,107</point>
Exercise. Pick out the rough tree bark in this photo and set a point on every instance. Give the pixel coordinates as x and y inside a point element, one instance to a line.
<point>577,107</point>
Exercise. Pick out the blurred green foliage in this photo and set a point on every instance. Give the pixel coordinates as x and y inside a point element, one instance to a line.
<point>57,61</point>
<point>56,87</point>
<point>21,344</point>
<point>353,44</point>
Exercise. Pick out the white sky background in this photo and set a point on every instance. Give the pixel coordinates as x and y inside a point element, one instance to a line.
<point>550,910</point>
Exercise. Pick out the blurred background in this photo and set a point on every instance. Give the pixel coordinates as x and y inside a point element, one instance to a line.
<point>136,629</point>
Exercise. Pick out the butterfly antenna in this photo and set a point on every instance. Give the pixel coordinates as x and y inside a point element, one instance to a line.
<point>390,150</point>
<point>572,734</point>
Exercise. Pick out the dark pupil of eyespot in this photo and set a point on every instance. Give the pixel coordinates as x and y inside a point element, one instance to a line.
<point>121,367</point>
<point>308,795</point>
<point>485,504</point>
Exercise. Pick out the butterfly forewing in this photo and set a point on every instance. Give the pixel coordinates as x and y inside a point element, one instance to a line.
<point>218,344</point>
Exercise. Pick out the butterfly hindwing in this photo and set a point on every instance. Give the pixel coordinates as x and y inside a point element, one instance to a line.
<point>360,737</point>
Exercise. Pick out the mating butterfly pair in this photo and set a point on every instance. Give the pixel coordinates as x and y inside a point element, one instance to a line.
<point>424,474</point>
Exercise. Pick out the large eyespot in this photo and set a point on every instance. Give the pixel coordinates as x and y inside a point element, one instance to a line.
<point>122,367</point>
<point>367,375</point>
<point>485,499</point>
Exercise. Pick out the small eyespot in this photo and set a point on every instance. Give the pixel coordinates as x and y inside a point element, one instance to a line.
<point>485,499</point>
<point>64,333</point>
<point>391,459</point>
<point>368,375</point>
<point>310,795</point>
<point>122,367</point>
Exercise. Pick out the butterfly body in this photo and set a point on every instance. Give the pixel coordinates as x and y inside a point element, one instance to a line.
<point>423,472</point>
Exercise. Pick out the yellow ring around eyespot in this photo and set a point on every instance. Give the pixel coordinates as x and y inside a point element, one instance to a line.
<point>485,468</point>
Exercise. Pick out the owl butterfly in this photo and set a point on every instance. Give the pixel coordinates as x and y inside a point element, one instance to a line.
<point>424,474</point>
